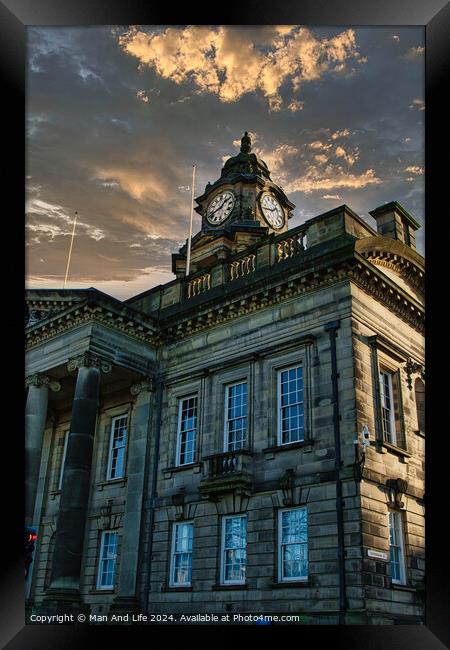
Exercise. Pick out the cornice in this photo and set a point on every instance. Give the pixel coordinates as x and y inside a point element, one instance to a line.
<point>365,275</point>
<point>84,313</point>
<point>224,307</point>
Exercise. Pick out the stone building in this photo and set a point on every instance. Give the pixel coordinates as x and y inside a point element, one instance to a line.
<point>245,439</point>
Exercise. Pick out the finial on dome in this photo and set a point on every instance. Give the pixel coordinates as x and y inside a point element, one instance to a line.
<point>246,143</point>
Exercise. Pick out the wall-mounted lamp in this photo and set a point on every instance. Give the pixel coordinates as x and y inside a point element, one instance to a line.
<point>360,452</point>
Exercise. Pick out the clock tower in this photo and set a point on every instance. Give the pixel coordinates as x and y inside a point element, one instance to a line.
<point>237,210</point>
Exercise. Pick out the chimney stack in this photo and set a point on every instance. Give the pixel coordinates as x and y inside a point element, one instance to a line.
<point>394,221</point>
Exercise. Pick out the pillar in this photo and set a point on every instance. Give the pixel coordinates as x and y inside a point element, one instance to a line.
<point>127,598</point>
<point>71,522</point>
<point>35,418</point>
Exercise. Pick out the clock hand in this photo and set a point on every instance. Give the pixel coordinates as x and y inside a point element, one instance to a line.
<point>217,209</point>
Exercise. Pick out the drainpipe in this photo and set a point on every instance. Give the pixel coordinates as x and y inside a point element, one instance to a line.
<point>154,484</point>
<point>332,328</point>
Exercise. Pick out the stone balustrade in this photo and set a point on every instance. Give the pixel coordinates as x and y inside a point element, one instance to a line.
<point>290,246</point>
<point>198,285</point>
<point>243,266</point>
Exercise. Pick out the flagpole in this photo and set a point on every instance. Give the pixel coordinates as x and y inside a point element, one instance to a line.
<point>70,250</point>
<point>188,258</point>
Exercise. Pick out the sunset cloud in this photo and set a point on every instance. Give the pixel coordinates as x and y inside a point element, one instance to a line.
<point>414,169</point>
<point>350,158</point>
<point>418,103</point>
<point>331,178</point>
<point>414,53</point>
<point>229,64</point>
<point>95,145</point>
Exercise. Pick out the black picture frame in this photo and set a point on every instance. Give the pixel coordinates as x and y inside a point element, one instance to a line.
<point>15,17</point>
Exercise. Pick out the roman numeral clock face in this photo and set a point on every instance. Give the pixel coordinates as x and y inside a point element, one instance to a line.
<point>272,211</point>
<point>220,208</point>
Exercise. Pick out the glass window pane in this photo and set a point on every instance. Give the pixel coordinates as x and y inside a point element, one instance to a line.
<point>187,430</point>
<point>291,405</point>
<point>294,544</point>
<point>234,552</point>
<point>236,420</point>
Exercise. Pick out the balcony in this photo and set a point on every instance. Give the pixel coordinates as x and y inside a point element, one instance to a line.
<point>227,472</point>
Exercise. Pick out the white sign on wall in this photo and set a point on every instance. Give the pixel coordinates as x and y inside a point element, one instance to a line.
<point>380,555</point>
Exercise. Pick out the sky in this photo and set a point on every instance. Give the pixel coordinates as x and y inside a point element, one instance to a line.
<point>117,116</point>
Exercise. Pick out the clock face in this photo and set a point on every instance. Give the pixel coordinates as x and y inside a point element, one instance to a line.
<point>220,208</point>
<point>272,211</point>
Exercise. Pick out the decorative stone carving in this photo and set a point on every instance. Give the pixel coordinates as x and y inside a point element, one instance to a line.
<point>88,360</point>
<point>146,384</point>
<point>286,484</point>
<point>39,380</point>
<point>411,368</point>
<point>108,520</point>
<point>35,316</point>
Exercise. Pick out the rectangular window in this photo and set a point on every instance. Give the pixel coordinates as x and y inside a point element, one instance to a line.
<point>236,416</point>
<point>290,406</point>
<point>396,547</point>
<point>292,545</point>
<point>108,558</point>
<point>187,430</point>
<point>234,549</point>
<point>117,446</point>
<point>387,407</point>
<point>63,459</point>
<point>181,557</point>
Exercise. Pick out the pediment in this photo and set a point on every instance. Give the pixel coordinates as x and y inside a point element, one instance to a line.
<point>396,260</point>
<point>43,304</point>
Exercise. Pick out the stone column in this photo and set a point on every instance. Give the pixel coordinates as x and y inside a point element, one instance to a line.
<point>35,418</point>
<point>70,527</point>
<point>127,598</point>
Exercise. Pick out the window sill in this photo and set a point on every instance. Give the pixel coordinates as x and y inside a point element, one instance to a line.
<point>306,445</point>
<point>398,587</point>
<point>120,482</point>
<point>195,467</point>
<point>169,589</point>
<point>97,592</point>
<point>419,433</point>
<point>384,447</point>
<point>291,585</point>
<point>237,587</point>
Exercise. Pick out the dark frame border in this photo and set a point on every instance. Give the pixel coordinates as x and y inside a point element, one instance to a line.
<point>15,16</point>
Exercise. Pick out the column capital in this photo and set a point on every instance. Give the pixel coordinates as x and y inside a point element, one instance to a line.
<point>38,380</point>
<point>88,360</point>
<point>145,384</point>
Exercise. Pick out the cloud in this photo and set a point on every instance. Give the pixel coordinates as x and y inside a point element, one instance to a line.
<point>38,208</point>
<point>340,134</point>
<point>296,105</point>
<point>321,158</point>
<point>276,159</point>
<point>331,178</point>
<point>414,53</point>
<point>138,183</point>
<point>318,144</point>
<point>332,196</point>
<point>414,169</point>
<point>418,103</point>
<point>229,63</point>
<point>142,95</point>
<point>348,157</point>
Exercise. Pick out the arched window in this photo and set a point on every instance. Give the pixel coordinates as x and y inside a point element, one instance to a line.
<point>419,390</point>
